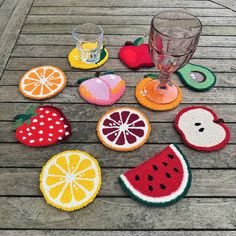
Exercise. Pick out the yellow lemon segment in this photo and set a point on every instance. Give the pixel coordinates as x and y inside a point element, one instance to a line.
<point>70,180</point>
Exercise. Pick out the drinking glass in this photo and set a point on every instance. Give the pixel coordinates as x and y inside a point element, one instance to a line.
<point>88,39</point>
<point>173,39</point>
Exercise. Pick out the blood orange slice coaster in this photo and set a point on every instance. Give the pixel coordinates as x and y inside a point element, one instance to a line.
<point>42,82</point>
<point>123,129</point>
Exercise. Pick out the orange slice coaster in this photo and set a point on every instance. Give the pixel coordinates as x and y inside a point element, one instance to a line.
<point>42,82</point>
<point>123,129</point>
<point>143,100</point>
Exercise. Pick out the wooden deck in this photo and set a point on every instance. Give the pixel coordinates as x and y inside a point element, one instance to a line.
<point>37,32</point>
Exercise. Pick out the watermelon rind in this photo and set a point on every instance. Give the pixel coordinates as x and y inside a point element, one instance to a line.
<point>163,201</point>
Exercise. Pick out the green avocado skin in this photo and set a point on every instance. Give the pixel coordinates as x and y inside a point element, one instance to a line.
<point>207,84</point>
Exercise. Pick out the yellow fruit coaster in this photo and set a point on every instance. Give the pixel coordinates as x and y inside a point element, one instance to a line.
<point>144,101</point>
<point>70,180</point>
<point>75,61</point>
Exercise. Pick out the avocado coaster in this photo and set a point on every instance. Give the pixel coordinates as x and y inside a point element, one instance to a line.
<point>143,100</point>
<point>201,129</point>
<point>197,78</point>
<point>75,61</point>
<point>160,181</point>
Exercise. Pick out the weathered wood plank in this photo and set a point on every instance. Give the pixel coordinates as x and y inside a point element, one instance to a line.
<point>206,183</point>
<point>119,213</point>
<point>229,3</point>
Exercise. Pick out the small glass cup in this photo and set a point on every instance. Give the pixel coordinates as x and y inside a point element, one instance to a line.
<point>88,39</point>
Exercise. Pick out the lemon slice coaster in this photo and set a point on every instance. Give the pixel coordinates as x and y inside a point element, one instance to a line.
<point>70,180</point>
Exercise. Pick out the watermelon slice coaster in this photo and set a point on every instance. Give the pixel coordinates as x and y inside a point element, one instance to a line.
<point>160,181</point>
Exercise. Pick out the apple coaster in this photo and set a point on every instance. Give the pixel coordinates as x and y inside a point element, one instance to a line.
<point>201,129</point>
<point>135,55</point>
<point>160,181</point>
<point>144,101</point>
<point>102,89</point>
<point>197,78</point>
<point>123,129</point>
<point>75,61</point>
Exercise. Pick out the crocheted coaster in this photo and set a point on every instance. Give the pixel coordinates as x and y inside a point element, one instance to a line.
<point>197,78</point>
<point>104,89</point>
<point>123,129</point>
<point>42,126</point>
<point>143,100</point>
<point>42,82</point>
<point>75,61</point>
<point>201,129</point>
<point>70,180</point>
<point>162,180</point>
<point>135,55</point>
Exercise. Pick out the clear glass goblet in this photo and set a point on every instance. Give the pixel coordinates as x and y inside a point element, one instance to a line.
<point>173,39</point>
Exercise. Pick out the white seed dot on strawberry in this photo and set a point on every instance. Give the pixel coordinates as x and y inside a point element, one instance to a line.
<point>49,119</point>
<point>49,139</point>
<point>29,134</point>
<point>54,114</point>
<point>23,137</point>
<point>51,127</point>
<point>31,141</point>
<point>59,138</point>
<point>35,120</point>
<point>58,123</point>
<point>27,129</point>
<point>41,109</point>
<point>41,123</point>
<point>40,131</point>
<point>41,139</point>
<point>21,132</point>
<point>60,130</point>
<point>33,127</point>
<point>41,116</point>
<point>47,111</point>
<point>50,135</point>
<point>65,126</point>
<point>67,133</point>
<point>61,118</point>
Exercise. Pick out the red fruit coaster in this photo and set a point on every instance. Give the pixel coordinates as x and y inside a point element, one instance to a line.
<point>201,129</point>
<point>42,126</point>
<point>123,129</point>
<point>162,180</point>
<point>135,55</point>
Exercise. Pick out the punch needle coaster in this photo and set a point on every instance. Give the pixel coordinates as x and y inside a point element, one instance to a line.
<point>197,78</point>
<point>102,89</point>
<point>42,126</point>
<point>70,180</point>
<point>201,129</point>
<point>42,82</point>
<point>123,129</point>
<point>160,181</point>
<point>144,101</point>
<point>76,62</point>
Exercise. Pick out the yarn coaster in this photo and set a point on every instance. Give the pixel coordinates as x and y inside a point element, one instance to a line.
<point>70,180</point>
<point>42,126</point>
<point>197,78</point>
<point>135,55</point>
<point>144,101</point>
<point>104,89</point>
<point>201,129</point>
<point>75,61</point>
<point>162,180</point>
<point>123,129</point>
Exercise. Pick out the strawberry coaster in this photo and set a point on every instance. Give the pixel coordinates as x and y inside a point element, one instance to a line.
<point>102,89</point>
<point>160,181</point>
<point>144,101</point>
<point>75,61</point>
<point>42,126</point>
<point>123,129</point>
<point>201,129</point>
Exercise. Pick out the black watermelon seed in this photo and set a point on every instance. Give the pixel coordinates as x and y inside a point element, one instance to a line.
<point>137,177</point>
<point>176,170</point>
<point>154,167</point>
<point>197,124</point>
<point>150,177</point>
<point>150,188</point>
<point>201,130</point>
<point>171,156</point>
<point>164,163</point>
<point>162,186</point>
<point>168,175</point>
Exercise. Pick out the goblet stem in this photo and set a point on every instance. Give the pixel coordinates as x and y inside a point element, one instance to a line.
<point>164,79</point>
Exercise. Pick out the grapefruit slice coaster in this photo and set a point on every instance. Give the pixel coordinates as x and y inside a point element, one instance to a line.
<point>70,180</point>
<point>42,82</point>
<point>162,180</point>
<point>123,129</point>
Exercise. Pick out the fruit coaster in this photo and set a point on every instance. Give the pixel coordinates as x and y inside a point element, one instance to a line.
<point>75,61</point>
<point>135,55</point>
<point>102,89</point>
<point>160,181</point>
<point>201,129</point>
<point>42,82</point>
<point>123,129</point>
<point>197,78</point>
<point>144,101</point>
<point>70,180</point>
<point>42,126</point>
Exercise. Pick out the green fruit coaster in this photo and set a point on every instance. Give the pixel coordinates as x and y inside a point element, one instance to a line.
<point>197,78</point>
<point>102,89</point>
<point>76,62</point>
<point>161,180</point>
<point>42,126</point>
<point>201,129</point>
